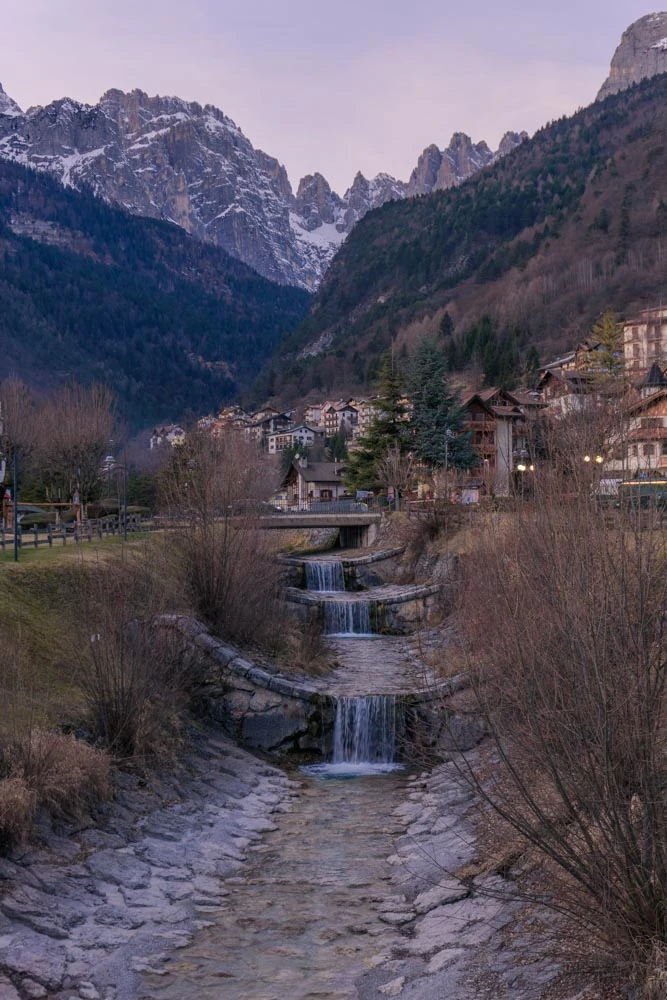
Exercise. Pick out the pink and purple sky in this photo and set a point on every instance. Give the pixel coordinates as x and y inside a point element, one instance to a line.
<point>356,85</point>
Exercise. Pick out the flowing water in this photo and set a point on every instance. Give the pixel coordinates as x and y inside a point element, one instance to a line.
<point>364,738</point>
<point>300,923</point>
<point>343,618</point>
<point>326,577</point>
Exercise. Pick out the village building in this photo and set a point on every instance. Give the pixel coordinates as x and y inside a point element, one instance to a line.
<point>339,417</point>
<point>302,436</point>
<point>307,481</point>
<point>646,435</point>
<point>265,422</point>
<point>499,424</point>
<point>645,341</point>
<point>171,434</point>
<point>367,412</point>
<point>312,414</point>
<point>565,390</point>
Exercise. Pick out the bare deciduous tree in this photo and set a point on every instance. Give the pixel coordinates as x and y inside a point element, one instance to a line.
<point>19,420</point>
<point>76,427</point>
<point>395,471</point>
<point>564,620</point>
<point>214,488</point>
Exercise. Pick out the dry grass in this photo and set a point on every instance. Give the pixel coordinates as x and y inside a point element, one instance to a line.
<point>65,774</point>
<point>18,806</point>
<point>44,769</point>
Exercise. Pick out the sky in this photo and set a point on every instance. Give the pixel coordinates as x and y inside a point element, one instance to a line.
<point>356,85</point>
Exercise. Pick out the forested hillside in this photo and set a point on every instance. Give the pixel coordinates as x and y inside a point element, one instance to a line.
<point>89,292</point>
<point>517,262</point>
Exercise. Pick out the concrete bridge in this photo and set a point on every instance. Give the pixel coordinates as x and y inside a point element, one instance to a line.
<point>356,530</point>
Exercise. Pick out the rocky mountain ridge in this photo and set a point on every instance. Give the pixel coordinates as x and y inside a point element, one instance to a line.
<point>171,159</point>
<point>523,257</point>
<point>642,53</point>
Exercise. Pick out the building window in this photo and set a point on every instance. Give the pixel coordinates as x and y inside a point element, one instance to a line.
<point>649,450</point>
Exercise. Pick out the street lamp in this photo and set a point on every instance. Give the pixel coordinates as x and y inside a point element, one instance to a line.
<point>449,433</point>
<point>522,469</point>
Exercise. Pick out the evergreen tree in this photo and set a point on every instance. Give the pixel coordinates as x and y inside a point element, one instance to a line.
<point>336,446</point>
<point>446,325</point>
<point>532,364</point>
<point>608,362</point>
<point>389,429</point>
<point>437,423</point>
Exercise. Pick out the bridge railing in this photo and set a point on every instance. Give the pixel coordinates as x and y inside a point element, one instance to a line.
<point>345,505</point>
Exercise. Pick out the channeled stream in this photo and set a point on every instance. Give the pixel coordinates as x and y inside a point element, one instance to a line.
<point>301,921</point>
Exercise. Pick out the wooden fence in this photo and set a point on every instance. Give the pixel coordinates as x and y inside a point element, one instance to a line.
<point>61,534</point>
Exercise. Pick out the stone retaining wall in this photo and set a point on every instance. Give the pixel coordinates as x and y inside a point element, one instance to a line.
<point>265,710</point>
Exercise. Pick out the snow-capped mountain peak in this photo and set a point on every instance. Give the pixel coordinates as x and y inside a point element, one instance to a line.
<point>192,165</point>
<point>8,106</point>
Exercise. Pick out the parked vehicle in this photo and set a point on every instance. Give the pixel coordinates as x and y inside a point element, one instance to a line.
<point>30,516</point>
<point>643,493</point>
<point>259,508</point>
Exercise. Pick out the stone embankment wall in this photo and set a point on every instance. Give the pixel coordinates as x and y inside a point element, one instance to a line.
<point>257,706</point>
<point>265,710</point>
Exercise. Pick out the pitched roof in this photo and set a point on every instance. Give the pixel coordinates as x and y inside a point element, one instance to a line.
<point>321,472</point>
<point>655,377</point>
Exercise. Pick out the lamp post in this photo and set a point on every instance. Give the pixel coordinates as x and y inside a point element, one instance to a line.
<point>521,469</point>
<point>15,484</point>
<point>124,497</point>
<point>449,433</point>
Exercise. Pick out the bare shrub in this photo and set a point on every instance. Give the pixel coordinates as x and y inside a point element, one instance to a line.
<point>564,620</point>
<point>135,685</point>
<point>66,775</point>
<point>304,650</point>
<point>18,805</point>
<point>132,674</point>
<point>655,978</point>
<point>214,490</point>
<point>395,471</point>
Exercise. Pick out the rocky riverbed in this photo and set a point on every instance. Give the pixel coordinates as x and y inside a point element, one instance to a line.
<point>108,909</point>
<point>86,911</point>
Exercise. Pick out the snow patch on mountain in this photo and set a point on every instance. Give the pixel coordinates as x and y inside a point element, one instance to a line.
<point>175,160</point>
<point>8,106</point>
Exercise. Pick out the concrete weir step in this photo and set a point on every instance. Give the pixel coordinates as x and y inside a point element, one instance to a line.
<point>348,557</point>
<point>389,594</point>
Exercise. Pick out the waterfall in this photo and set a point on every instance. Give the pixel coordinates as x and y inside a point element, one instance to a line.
<point>347,618</point>
<point>365,730</point>
<point>325,577</point>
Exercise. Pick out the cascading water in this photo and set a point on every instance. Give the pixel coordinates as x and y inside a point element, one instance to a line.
<point>343,618</point>
<point>325,577</point>
<point>364,737</point>
<point>365,730</point>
